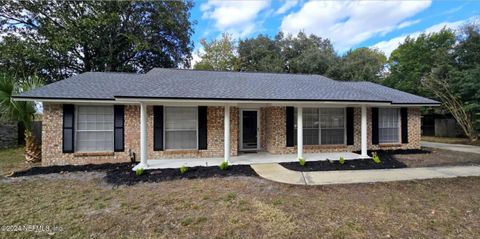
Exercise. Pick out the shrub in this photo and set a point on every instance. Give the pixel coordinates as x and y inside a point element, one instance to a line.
<point>375,158</point>
<point>224,165</point>
<point>139,171</point>
<point>183,169</point>
<point>341,160</point>
<point>302,161</point>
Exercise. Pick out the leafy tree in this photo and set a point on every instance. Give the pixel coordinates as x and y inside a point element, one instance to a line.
<point>361,64</point>
<point>455,81</point>
<point>466,62</point>
<point>20,111</point>
<point>219,55</point>
<point>307,54</point>
<point>260,54</point>
<point>416,57</point>
<point>56,39</point>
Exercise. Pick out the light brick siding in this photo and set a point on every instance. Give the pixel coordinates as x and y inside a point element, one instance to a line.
<point>276,133</point>
<point>52,138</point>
<point>272,136</point>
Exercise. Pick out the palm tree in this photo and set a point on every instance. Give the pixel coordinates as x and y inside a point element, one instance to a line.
<point>20,111</point>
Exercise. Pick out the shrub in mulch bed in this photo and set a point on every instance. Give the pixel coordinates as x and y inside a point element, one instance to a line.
<point>357,164</point>
<point>128,177</point>
<point>122,174</point>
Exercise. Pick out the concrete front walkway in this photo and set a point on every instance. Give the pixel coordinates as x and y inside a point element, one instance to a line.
<point>277,173</point>
<point>452,147</point>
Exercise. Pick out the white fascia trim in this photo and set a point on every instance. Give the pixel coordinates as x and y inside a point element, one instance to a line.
<point>238,102</point>
<point>191,102</point>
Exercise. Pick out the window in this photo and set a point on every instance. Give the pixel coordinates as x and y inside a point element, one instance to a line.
<point>94,128</point>
<point>181,127</point>
<point>388,125</point>
<point>322,126</point>
<point>332,124</point>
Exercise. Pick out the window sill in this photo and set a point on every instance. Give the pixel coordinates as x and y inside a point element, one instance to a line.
<point>92,154</point>
<point>390,145</point>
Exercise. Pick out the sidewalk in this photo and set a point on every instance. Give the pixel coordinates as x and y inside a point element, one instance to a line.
<point>452,147</point>
<point>277,173</point>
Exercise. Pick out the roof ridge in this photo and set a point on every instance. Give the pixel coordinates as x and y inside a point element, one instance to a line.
<point>246,72</point>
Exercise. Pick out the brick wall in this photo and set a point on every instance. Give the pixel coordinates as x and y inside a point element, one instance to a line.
<point>272,136</point>
<point>276,133</point>
<point>52,137</point>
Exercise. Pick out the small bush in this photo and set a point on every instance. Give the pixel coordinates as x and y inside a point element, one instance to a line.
<point>183,169</point>
<point>375,158</point>
<point>224,165</point>
<point>302,161</point>
<point>139,171</point>
<point>341,160</point>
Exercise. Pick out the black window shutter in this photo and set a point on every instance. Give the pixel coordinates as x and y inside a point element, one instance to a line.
<point>350,126</point>
<point>404,124</point>
<point>119,130</point>
<point>68,135</point>
<point>290,126</point>
<point>158,128</point>
<point>375,126</point>
<point>202,127</point>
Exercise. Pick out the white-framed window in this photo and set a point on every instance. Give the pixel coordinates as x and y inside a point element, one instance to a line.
<point>322,126</point>
<point>389,125</point>
<point>181,127</point>
<point>94,128</point>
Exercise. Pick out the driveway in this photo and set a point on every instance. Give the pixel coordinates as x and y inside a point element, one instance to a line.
<point>452,147</point>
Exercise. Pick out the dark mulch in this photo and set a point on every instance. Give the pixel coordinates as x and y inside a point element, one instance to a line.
<point>357,164</point>
<point>71,168</point>
<point>122,174</point>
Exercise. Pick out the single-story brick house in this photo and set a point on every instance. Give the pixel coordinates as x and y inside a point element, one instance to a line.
<point>171,114</point>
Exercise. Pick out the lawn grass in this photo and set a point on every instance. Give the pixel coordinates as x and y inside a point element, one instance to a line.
<point>83,204</point>
<point>243,207</point>
<point>12,159</point>
<point>449,140</point>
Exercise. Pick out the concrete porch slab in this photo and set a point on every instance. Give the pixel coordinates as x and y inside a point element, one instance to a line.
<point>246,159</point>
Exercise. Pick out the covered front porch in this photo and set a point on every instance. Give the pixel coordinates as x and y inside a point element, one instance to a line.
<point>246,159</point>
<point>294,151</point>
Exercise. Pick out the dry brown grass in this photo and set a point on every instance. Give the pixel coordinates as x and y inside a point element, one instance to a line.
<point>242,207</point>
<point>438,157</point>
<point>12,160</point>
<point>449,140</point>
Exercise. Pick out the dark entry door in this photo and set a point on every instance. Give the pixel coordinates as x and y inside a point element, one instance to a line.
<point>249,129</point>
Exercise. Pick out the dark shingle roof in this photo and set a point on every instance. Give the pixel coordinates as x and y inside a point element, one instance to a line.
<point>191,84</point>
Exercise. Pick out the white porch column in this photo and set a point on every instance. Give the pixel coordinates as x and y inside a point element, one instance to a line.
<point>299,132</point>
<point>226,139</point>
<point>364,138</point>
<point>143,134</point>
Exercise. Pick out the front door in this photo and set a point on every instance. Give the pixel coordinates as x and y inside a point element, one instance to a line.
<point>249,124</point>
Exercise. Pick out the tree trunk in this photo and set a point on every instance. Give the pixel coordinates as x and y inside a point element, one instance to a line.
<point>33,152</point>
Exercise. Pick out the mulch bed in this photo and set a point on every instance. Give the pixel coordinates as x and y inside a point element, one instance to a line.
<point>387,162</point>
<point>122,174</point>
<point>357,164</point>
<point>127,176</point>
